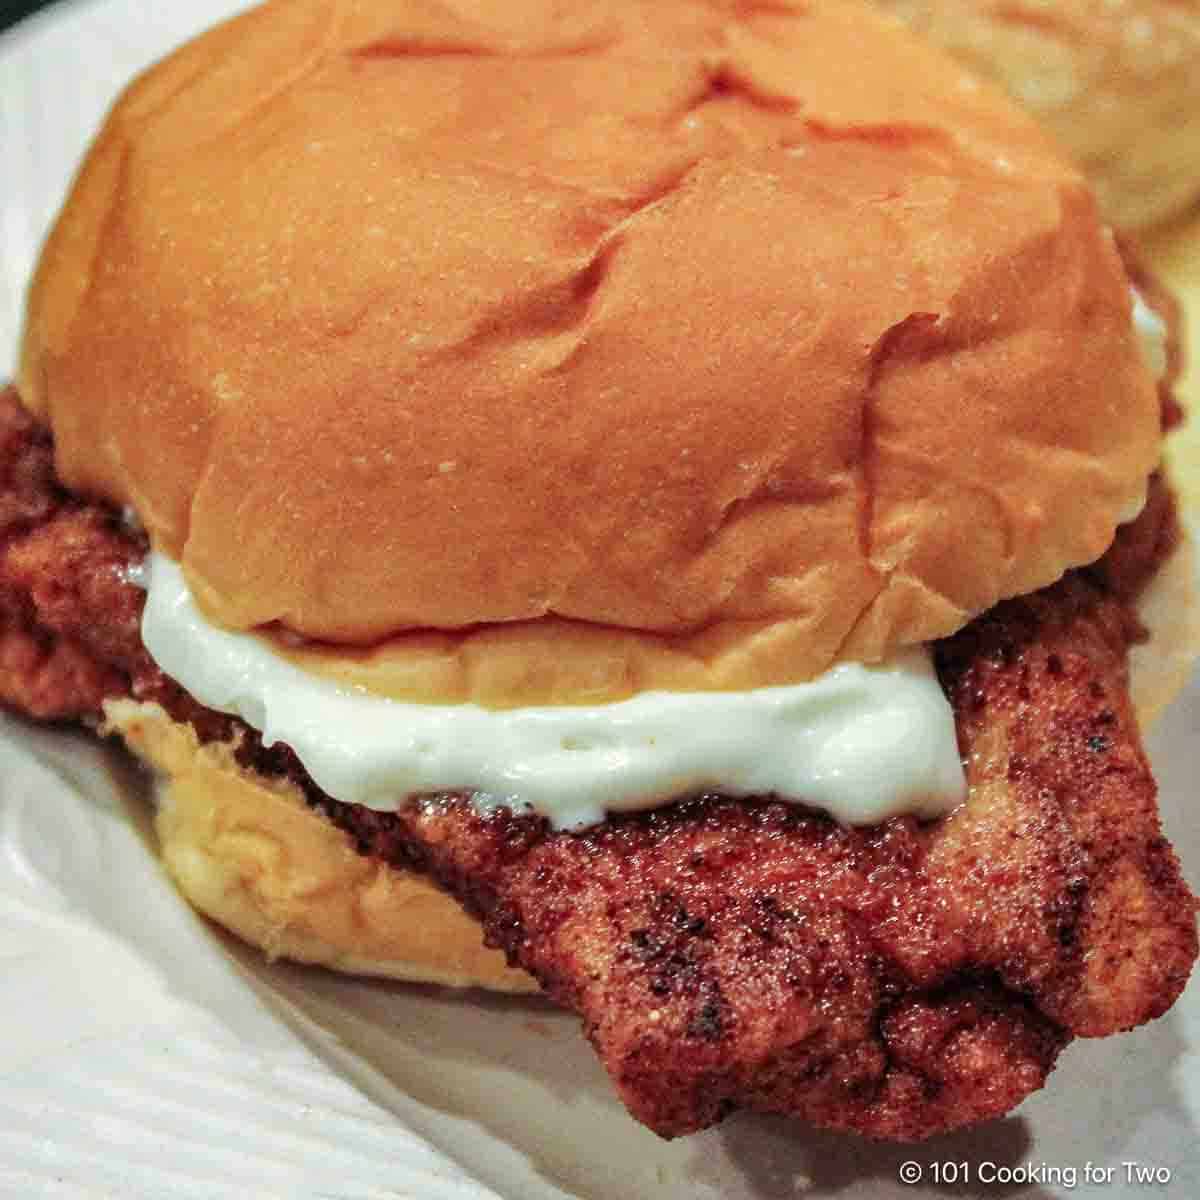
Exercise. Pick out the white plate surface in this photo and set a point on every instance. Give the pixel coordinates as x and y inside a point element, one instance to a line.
<point>143,1056</point>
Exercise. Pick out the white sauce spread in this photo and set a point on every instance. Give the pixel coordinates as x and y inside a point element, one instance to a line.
<point>1152,335</point>
<point>862,743</point>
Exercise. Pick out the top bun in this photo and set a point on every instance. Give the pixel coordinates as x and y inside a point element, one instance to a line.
<point>674,316</point>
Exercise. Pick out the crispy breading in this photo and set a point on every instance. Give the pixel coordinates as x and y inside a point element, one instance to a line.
<point>900,980</point>
<point>70,616</point>
<point>45,673</point>
<point>1057,864</point>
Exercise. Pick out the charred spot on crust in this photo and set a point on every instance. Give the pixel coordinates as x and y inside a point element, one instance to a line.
<point>707,1023</point>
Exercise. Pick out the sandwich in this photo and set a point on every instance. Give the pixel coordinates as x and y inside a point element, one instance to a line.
<point>651,501</point>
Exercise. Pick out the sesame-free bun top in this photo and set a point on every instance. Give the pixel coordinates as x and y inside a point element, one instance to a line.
<point>714,325</point>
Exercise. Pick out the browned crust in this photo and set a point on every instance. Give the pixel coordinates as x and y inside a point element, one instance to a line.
<point>900,980</point>
<point>47,668</point>
<point>1058,860</point>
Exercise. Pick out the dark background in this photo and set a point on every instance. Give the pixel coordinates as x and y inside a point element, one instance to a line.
<point>12,11</point>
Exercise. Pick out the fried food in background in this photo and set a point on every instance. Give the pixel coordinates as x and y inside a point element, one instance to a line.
<point>1117,82</point>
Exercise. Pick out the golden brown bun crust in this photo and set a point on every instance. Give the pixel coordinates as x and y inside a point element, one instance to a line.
<point>659,314</point>
<point>252,855</point>
<point>1116,81</point>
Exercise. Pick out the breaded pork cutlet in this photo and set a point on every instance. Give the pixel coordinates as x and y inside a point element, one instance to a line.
<point>899,980</point>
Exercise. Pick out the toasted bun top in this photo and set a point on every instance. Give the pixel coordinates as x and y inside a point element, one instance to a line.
<point>682,317</point>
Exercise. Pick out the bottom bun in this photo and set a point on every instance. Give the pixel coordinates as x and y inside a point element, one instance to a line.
<point>251,854</point>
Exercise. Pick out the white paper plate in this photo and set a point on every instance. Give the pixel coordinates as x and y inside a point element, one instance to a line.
<point>143,1056</point>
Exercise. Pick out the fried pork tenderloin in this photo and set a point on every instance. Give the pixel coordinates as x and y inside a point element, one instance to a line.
<point>900,980</point>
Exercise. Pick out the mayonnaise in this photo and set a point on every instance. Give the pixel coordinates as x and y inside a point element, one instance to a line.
<point>1152,335</point>
<point>862,743</point>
